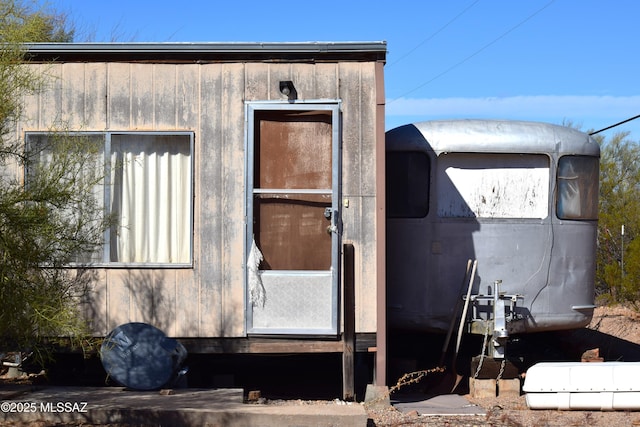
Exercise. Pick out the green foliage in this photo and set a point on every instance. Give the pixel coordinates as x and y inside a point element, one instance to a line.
<point>19,24</point>
<point>44,225</point>
<point>22,22</point>
<point>48,212</point>
<point>618,264</point>
<point>30,22</point>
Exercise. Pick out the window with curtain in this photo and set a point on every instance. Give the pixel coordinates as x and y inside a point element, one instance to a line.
<point>577,188</point>
<point>147,193</point>
<point>150,198</point>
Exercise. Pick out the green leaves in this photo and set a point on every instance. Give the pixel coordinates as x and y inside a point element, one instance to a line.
<point>48,209</point>
<point>31,22</point>
<point>618,265</point>
<point>44,226</point>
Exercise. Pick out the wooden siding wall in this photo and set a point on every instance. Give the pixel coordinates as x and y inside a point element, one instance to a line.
<point>208,99</point>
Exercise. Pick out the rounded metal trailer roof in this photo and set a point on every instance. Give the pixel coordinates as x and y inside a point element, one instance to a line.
<point>491,136</point>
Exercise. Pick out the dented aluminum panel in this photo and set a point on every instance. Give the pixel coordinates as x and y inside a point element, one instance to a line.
<point>489,191</point>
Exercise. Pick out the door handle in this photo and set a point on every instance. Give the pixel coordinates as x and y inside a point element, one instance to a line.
<point>332,216</point>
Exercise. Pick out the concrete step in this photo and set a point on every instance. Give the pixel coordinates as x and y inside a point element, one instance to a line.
<point>180,407</point>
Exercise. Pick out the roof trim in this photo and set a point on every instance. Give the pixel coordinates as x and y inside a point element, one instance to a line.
<point>190,51</point>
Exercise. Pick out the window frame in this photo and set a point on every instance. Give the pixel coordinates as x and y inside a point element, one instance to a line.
<point>468,160</point>
<point>106,199</point>
<point>407,210</point>
<point>557,201</point>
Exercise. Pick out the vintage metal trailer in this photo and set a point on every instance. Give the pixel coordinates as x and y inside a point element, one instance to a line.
<point>520,198</point>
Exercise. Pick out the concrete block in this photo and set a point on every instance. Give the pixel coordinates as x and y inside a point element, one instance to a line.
<point>480,388</point>
<point>15,372</point>
<point>377,395</point>
<point>509,387</point>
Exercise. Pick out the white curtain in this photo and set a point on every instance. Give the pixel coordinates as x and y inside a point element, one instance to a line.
<point>578,187</point>
<point>150,198</point>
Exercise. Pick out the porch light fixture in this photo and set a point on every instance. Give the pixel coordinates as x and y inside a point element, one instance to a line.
<point>288,90</point>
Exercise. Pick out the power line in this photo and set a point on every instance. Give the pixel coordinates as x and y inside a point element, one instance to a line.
<point>614,125</point>
<point>434,34</point>
<point>476,52</point>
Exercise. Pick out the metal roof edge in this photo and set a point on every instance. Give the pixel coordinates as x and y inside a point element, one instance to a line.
<point>209,48</point>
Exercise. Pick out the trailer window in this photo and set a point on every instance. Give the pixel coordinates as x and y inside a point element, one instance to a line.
<point>407,181</point>
<point>578,187</point>
<point>146,191</point>
<point>484,185</point>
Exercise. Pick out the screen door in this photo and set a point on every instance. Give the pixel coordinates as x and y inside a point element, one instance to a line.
<point>292,218</point>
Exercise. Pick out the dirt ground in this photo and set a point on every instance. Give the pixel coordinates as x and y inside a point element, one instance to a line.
<point>614,330</point>
<point>617,329</point>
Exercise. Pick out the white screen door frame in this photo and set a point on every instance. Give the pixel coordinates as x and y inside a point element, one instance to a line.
<point>292,216</point>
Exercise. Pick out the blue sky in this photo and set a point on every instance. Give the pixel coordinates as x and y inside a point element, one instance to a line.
<point>545,60</point>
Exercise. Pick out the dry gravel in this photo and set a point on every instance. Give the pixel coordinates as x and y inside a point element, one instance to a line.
<point>618,322</point>
<point>503,412</point>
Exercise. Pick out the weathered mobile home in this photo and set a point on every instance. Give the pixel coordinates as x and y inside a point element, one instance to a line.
<point>239,174</point>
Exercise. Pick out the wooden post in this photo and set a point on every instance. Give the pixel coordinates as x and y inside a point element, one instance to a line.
<point>349,334</point>
<point>380,237</point>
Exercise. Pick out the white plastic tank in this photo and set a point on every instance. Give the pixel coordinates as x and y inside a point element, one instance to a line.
<point>583,386</point>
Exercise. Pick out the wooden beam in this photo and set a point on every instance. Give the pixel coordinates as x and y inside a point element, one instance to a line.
<point>275,345</point>
<point>349,337</point>
<point>260,345</point>
<point>381,220</point>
